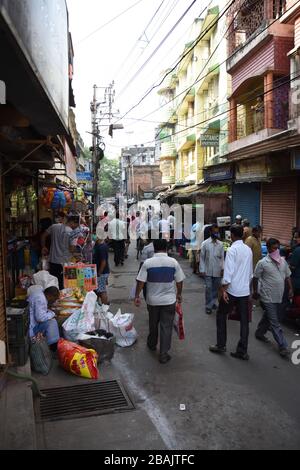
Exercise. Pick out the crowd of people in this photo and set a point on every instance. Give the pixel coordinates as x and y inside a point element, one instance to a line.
<point>235,276</point>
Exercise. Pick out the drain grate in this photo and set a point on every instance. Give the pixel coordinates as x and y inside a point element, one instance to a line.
<point>83,400</point>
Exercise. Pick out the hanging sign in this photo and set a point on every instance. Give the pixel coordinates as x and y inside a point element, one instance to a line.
<point>80,275</point>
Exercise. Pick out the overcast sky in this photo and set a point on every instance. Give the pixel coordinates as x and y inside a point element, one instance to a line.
<point>115,53</point>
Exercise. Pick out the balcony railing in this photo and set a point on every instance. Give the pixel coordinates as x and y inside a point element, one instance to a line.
<point>247,17</point>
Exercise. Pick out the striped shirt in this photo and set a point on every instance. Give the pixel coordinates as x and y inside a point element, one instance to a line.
<point>161,273</point>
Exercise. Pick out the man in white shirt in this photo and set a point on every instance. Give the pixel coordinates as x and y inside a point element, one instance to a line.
<point>235,292</point>
<point>164,278</point>
<point>117,232</point>
<point>212,266</point>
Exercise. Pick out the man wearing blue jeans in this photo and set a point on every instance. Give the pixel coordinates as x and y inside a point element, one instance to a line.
<point>41,317</point>
<point>273,273</point>
<point>211,266</point>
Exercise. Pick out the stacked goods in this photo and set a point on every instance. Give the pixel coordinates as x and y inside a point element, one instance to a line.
<point>70,300</point>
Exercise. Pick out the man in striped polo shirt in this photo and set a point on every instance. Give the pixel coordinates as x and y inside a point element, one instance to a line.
<point>164,278</point>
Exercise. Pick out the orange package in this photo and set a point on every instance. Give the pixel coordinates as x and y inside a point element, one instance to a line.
<point>77,359</point>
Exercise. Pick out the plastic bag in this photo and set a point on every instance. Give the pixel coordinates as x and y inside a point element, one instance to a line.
<point>81,320</point>
<point>77,359</point>
<point>122,328</point>
<point>102,317</point>
<point>178,322</point>
<point>44,279</point>
<point>40,355</point>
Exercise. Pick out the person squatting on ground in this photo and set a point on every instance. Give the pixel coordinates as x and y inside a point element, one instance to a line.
<point>164,279</point>
<point>272,272</point>
<point>212,266</point>
<point>41,317</point>
<point>235,292</point>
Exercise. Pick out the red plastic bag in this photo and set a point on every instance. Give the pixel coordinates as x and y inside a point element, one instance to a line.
<point>234,314</point>
<point>178,322</point>
<point>77,359</point>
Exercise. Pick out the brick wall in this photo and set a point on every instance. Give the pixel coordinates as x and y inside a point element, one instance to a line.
<point>146,177</point>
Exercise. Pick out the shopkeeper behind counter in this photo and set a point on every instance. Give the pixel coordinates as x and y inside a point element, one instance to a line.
<point>60,248</point>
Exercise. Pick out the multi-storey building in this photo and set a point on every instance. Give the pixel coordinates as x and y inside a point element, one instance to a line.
<point>263,137</point>
<point>194,126</point>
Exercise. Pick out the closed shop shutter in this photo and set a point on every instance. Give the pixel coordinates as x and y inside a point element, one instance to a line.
<point>279,208</point>
<point>246,202</point>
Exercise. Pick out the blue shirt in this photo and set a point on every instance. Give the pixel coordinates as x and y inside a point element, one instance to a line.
<point>101,254</point>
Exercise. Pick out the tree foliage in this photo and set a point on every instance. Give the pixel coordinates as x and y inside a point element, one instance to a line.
<point>109,177</point>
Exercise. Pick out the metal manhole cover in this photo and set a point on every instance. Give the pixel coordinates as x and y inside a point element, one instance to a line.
<point>83,400</point>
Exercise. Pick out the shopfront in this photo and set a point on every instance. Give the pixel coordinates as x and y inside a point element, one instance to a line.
<point>246,192</point>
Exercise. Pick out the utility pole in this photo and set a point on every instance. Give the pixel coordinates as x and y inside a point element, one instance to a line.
<point>94,153</point>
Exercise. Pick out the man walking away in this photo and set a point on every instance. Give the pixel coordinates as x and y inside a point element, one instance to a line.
<point>247,229</point>
<point>164,277</point>
<point>100,258</point>
<point>60,246</point>
<point>212,266</point>
<point>235,292</point>
<point>273,272</point>
<point>254,243</point>
<point>117,233</point>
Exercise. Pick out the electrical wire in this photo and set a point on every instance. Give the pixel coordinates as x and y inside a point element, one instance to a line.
<point>204,76</point>
<point>157,48</point>
<point>212,24</point>
<point>242,103</point>
<point>134,46</point>
<point>108,22</point>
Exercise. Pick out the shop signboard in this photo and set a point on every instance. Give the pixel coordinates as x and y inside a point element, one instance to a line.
<point>167,167</point>
<point>251,170</point>
<point>84,176</point>
<point>210,140</point>
<point>219,173</point>
<point>80,275</point>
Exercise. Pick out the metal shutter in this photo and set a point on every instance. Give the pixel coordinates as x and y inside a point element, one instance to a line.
<point>246,202</point>
<point>279,208</point>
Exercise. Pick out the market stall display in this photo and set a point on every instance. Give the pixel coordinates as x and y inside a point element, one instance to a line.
<point>81,275</point>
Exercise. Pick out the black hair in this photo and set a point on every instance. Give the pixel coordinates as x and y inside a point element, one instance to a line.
<point>237,231</point>
<point>160,245</point>
<point>73,218</point>
<point>271,242</point>
<point>212,227</point>
<point>51,291</point>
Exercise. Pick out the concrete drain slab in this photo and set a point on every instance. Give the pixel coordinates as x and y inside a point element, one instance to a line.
<point>76,401</point>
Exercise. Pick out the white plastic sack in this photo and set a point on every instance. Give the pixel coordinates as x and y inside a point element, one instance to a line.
<point>122,328</point>
<point>44,279</point>
<point>102,317</point>
<point>81,320</point>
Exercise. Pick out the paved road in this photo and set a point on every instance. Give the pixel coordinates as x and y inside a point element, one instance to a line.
<point>230,404</point>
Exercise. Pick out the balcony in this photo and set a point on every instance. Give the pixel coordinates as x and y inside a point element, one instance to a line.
<point>252,22</point>
<point>168,150</point>
<point>256,117</point>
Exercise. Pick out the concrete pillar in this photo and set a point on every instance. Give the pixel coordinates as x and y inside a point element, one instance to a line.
<point>232,120</point>
<point>269,100</point>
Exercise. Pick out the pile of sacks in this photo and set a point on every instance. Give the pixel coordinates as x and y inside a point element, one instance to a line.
<point>97,331</point>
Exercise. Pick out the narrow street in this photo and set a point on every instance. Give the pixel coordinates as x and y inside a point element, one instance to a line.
<point>230,404</point>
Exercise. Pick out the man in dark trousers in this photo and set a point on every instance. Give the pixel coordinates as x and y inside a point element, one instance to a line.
<point>117,232</point>
<point>235,292</point>
<point>164,278</point>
